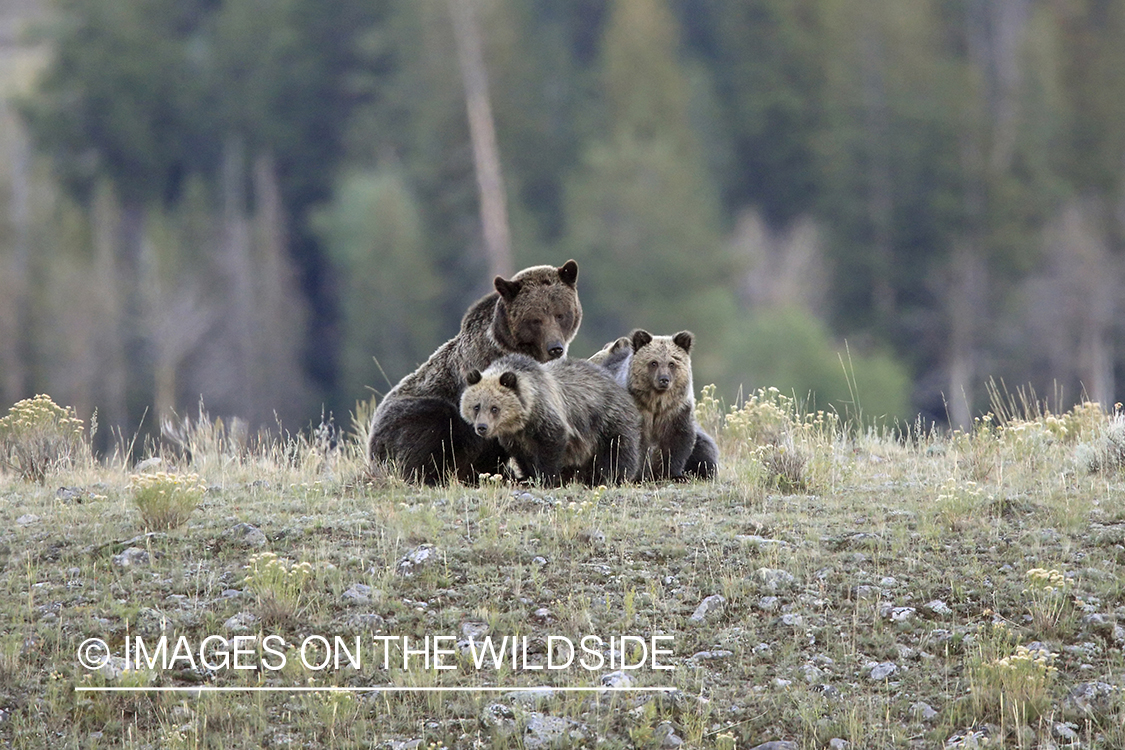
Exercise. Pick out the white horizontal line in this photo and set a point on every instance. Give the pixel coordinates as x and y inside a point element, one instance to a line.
<point>387,689</point>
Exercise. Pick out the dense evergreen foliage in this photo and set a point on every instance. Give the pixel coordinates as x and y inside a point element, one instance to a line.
<point>937,182</point>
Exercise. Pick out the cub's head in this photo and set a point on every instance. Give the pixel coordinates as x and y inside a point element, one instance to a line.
<point>661,365</point>
<point>491,403</point>
<point>538,312</point>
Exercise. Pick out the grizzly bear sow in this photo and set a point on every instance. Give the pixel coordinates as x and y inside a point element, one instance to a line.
<point>417,430</point>
<point>562,421</point>
<point>656,370</point>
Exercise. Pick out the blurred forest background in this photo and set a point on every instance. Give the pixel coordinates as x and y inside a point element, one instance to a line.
<point>253,200</point>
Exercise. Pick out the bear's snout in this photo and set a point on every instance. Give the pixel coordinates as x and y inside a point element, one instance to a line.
<point>663,381</point>
<point>556,350</point>
<point>482,429</point>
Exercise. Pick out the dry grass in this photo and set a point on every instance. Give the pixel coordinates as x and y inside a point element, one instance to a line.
<point>876,549</point>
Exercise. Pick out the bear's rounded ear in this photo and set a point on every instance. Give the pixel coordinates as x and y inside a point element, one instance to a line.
<point>473,377</point>
<point>684,339</point>
<point>508,380</point>
<point>640,338</point>
<point>568,273</point>
<point>508,289</point>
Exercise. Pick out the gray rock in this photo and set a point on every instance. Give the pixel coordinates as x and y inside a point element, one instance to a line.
<point>246,535</point>
<point>1066,732</point>
<point>775,579</point>
<point>241,623</point>
<point>792,620</point>
<point>131,557</point>
<point>838,744</point>
<point>868,593</point>
<point>814,675</point>
<point>529,698</point>
<point>357,593</point>
<point>474,629</point>
<point>708,609</point>
<point>149,463</point>
<point>665,733</point>
<point>713,655</point>
<point>417,559</point>
<point>1093,698</point>
<point>69,494</point>
<point>898,614</point>
<point>27,519</point>
<point>923,711</point>
<point>760,542</point>
<point>883,670</point>
<point>365,621</point>
<point>769,603</point>
<point>407,745</point>
<point>938,608</point>
<point>498,719</point>
<point>776,745</point>
<point>618,679</point>
<point>542,732</point>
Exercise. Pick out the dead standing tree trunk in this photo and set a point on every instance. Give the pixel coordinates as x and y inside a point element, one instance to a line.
<point>482,132</point>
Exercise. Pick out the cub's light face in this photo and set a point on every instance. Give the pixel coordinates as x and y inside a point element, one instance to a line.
<point>661,367</point>
<point>491,410</point>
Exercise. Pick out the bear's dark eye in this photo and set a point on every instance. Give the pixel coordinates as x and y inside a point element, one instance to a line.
<point>476,409</point>
<point>671,365</point>
<point>495,410</point>
<point>652,364</point>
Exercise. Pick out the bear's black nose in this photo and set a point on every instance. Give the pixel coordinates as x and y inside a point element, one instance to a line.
<point>482,429</point>
<point>555,351</point>
<point>663,381</point>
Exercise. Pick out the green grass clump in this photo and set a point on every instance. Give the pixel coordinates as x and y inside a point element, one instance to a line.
<point>279,585</point>
<point>165,500</point>
<point>38,437</point>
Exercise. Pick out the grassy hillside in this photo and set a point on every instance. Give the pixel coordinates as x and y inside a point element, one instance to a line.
<point>879,588</point>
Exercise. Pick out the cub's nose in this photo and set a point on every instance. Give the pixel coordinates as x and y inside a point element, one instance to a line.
<point>555,351</point>
<point>482,429</point>
<point>663,381</point>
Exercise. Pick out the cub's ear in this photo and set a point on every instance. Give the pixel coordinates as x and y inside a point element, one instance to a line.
<point>508,289</point>
<point>568,273</point>
<point>684,339</point>
<point>508,380</point>
<point>640,338</point>
<point>473,377</point>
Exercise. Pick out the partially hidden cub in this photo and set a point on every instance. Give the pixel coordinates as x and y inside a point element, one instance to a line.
<point>656,370</point>
<point>563,420</point>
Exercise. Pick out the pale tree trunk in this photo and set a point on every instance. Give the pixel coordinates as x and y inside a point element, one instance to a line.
<point>1008,19</point>
<point>239,274</point>
<point>109,347</point>
<point>482,132</point>
<point>1096,276</point>
<point>966,300</point>
<point>16,341</point>
<point>281,319</point>
<point>136,337</point>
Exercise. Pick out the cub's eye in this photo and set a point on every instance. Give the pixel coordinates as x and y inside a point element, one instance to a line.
<point>495,410</point>
<point>671,365</point>
<point>652,365</point>
<point>476,409</point>
<point>560,317</point>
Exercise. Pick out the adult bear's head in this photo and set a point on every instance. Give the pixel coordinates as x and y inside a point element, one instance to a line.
<point>538,312</point>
